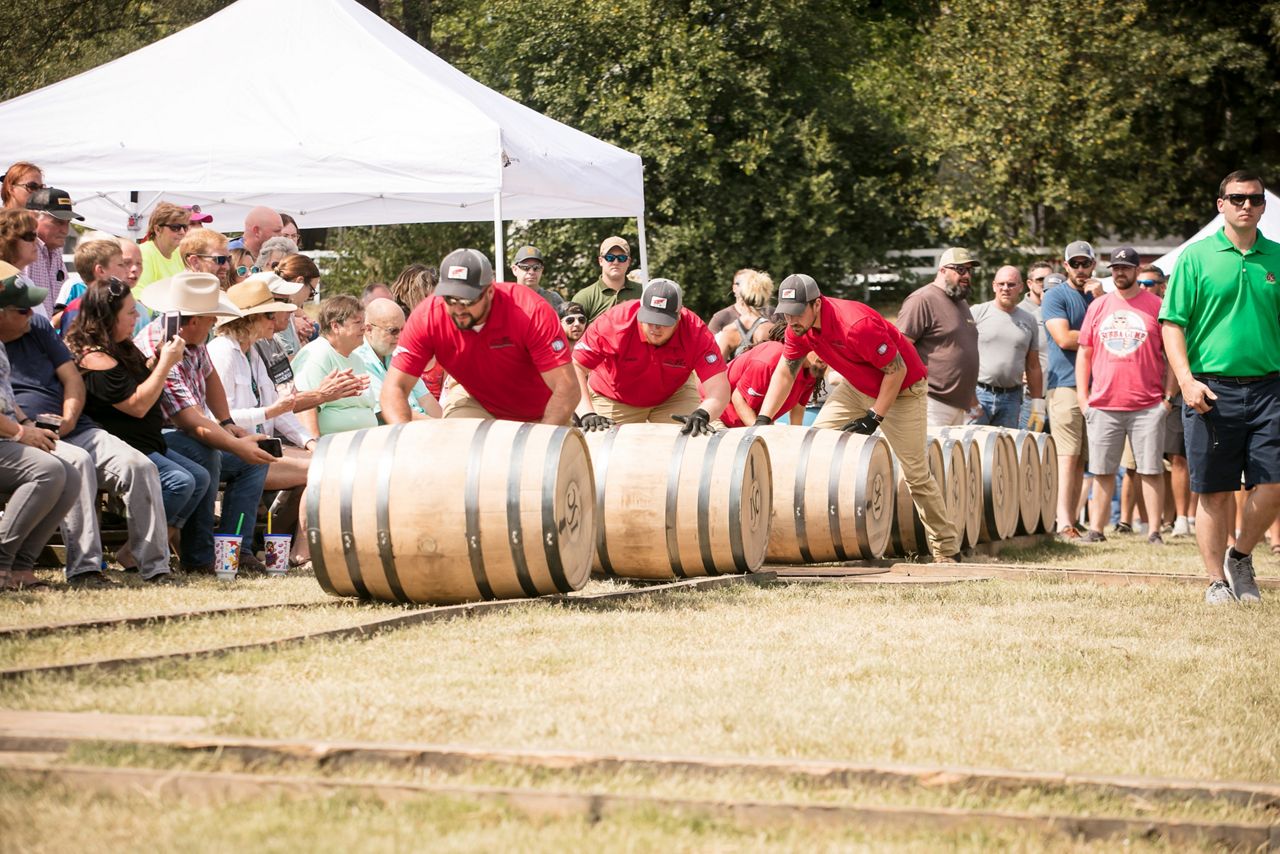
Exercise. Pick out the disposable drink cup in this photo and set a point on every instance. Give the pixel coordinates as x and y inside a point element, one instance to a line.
<point>277,553</point>
<point>226,556</point>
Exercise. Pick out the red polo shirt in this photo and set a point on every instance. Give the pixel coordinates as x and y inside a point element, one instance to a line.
<point>749,375</point>
<point>500,364</point>
<point>856,341</point>
<point>627,368</point>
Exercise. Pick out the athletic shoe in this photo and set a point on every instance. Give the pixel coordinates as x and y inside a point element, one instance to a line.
<point>1240,576</point>
<point>1124,528</point>
<point>1180,528</point>
<point>1092,536</point>
<point>1219,594</point>
<point>1155,540</point>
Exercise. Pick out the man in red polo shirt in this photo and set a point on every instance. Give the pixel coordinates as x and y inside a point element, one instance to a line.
<point>500,341</point>
<point>636,361</point>
<point>749,376</point>
<point>884,387</point>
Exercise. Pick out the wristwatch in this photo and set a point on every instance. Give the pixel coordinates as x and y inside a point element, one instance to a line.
<point>226,422</point>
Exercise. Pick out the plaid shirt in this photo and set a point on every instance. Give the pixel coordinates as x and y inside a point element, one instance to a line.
<point>185,386</point>
<point>47,271</point>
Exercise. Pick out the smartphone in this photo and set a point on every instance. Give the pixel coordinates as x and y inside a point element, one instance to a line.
<point>172,320</point>
<point>272,447</point>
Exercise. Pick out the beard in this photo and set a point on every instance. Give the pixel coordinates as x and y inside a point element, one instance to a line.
<point>956,291</point>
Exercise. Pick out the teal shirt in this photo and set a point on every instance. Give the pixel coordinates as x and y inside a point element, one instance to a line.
<point>1228,302</point>
<point>376,367</point>
<point>316,361</point>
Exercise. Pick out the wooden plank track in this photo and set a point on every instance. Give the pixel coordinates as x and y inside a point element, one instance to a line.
<point>595,806</point>
<point>39,629</point>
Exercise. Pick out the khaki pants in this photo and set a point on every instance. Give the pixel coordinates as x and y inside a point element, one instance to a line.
<point>685,400</point>
<point>460,404</point>
<point>904,429</point>
<point>945,415</point>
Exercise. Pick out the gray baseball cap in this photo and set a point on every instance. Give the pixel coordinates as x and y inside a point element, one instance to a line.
<point>464,273</point>
<point>796,292</point>
<point>1054,279</point>
<point>660,303</point>
<point>526,253</point>
<point>1077,249</point>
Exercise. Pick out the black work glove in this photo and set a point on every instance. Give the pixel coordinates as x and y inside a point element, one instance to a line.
<point>866,425</point>
<point>762,421</point>
<point>592,421</point>
<point>696,423</point>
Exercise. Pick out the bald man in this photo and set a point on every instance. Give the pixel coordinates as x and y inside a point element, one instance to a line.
<point>260,225</point>
<point>383,322</point>
<point>1007,350</point>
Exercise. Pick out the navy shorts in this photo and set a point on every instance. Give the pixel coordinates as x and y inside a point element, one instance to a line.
<point>1240,435</point>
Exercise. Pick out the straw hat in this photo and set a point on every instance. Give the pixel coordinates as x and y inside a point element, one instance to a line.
<point>253,296</point>
<point>189,293</point>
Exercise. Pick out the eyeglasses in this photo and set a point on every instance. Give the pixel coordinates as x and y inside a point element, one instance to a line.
<point>457,302</point>
<point>217,259</point>
<point>29,236</point>
<point>1238,199</point>
<point>1080,264</point>
<point>1148,283</point>
<point>393,331</point>
<point>30,186</point>
<point>242,270</point>
<point>1006,284</point>
<point>177,227</point>
<point>574,318</point>
<point>961,269</point>
<point>1036,279</point>
<point>612,258</point>
<point>530,268</point>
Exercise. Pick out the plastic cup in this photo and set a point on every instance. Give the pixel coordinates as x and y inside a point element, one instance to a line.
<point>49,421</point>
<point>277,546</point>
<point>226,556</point>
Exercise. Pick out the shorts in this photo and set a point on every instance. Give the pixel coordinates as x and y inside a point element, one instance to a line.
<point>1239,436</point>
<point>1066,424</point>
<point>1175,444</point>
<point>1108,429</point>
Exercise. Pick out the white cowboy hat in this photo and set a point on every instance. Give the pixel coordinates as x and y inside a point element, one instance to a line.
<point>280,287</point>
<point>252,296</point>
<point>189,293</point>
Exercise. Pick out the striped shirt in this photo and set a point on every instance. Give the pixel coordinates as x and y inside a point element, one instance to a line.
<point>186,384</point>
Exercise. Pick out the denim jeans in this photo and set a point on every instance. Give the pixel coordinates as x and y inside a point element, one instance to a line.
<point>183,483</point>
<point>1000,408</point>
<point>242,495</point>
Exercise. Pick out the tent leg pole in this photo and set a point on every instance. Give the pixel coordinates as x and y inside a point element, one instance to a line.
<point>498,266</point>
<point>644,249</point>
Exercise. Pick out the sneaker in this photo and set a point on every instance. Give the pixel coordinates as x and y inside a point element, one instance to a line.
<point>250,564</point>
<point>1124,528</point>
<point>1155,540</point>
<point>1092,536</point>
<point>1240,576</point>
<point>92,581</point>
<point>1180,528</point>
<point>1219,594</point>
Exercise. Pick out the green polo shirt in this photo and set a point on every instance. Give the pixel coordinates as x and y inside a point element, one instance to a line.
<point>598,298</point>
<point>1229,304</point>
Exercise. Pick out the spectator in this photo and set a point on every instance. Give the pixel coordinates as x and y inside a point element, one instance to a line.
<point>1223,343</point>
<point>749,376</point>
<point>161,258</point>
<point>199,419</point>
<point>750,323</point>
<point>884,386</point>
<point>1037,280</point>
<point>637,361</point>
<point>123,395</point>
<point>383,323</point>
<point>20,181</point>
<point>740,308</point>
<point>527,267</point>
<point>205,251</point>
<point>1063,310</point>
<point>243,263</point>
<point>1151,277</point>
<point>95,261</point>
<point>260,225</point>
<point>1120,383</point>
<point>341,332</point>
<point>613,286</point>
<point>573,320</point>
<point>53,211</point>
<point>500,341</point>
<point>936,320</point>
<point>42,488</point>
<point>300,270</point>
<point>274,251</point>
<point>289,229</point>
<point>18,238</point>
<point>199,219</point>
<point>1007,352</point>
<point>373,291</point>
<point>414,284</point>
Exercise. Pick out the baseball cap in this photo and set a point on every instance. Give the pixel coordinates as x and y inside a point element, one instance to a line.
<point>955,257</point>
<point>660,303</point>
<point>54,202</point>
<point>1124,256</point>
<point>796,292</point>
<point>1054,279</point>
<point>1077,249</point>
<point>16,290</point>
<point>198,215</point>
<point>464,273</point>
<point>527,253</point>
<point>611,242</point>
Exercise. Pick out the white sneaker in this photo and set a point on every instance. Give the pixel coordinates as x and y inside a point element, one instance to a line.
<point>1180,528</point>
<point>1219,594</point>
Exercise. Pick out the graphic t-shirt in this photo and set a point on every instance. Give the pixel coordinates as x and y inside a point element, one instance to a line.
<point>1127,355</point>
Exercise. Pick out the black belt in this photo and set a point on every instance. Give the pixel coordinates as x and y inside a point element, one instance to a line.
<point>999,389</point>
<point>1237,380</point>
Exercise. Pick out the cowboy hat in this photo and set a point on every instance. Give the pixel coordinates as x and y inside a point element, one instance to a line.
<point>191,294</point>
<point>253,296</point>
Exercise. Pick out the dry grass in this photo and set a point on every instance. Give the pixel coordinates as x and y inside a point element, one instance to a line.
<point>1130,552</point>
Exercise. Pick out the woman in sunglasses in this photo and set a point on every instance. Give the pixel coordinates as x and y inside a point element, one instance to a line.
<point>19,183</point>
<point>161,259</point>
<point>18,237</point>
<point>123,394</point>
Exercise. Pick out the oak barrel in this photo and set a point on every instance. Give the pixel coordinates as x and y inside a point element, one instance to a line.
<point>443,512</point>
<point>1000,506</point>
<point>673,506</point>
<point>957,483</point>
<point>1030,495</point>
<point>833,495</point>
<point>1048,481</point>
<point>907,535</point>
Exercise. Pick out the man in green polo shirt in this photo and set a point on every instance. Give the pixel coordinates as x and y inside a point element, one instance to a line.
<point>613,286</point>
<point>1221,317</point>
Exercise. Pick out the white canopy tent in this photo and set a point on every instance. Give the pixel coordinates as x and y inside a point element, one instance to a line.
<point>397,135</point>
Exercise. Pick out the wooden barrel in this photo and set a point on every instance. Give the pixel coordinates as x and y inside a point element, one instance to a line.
<point>452,511</point>
<point>833,499</point>
<point>1048,481</point>
<point>907,536</point>
<point>957,481</point>
<point>672,506</point>
<point>1000,506</point>
<point>973,493</point>
<point>1030,496</point>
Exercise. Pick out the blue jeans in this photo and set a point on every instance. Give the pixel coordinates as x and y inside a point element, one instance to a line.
<point>183,484</point>
<point>1000,408</point>
<point>242,495</point>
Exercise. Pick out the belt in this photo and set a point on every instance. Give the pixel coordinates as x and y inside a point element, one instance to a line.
<point>1237,380</point>
<point>999,388</point>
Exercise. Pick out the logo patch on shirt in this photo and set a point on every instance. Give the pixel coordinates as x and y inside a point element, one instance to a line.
<point>787,293</point>
<point>557,345</point>
<point>882,349</point>
<point>711,358</point>
<point>752,392</point>
<point>499,343</point>
<point>457,271</point>
<point>657,302</point>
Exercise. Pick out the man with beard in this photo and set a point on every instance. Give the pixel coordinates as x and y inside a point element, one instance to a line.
<point>936,319</point>
<point>573,320</point>
<point>500,341</point>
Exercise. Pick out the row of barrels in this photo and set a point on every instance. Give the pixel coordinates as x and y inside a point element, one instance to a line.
<point>462,510</point>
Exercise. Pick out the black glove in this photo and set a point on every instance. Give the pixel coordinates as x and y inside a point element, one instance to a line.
<point>592,421</point>
<point>762,421</point>
<point>696,423</point>
<point>866,425</point>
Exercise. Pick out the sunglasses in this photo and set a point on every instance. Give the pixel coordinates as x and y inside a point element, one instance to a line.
<point>393,331</point>
<point>574,318</point>
<point>177,227</point>
<point>29,236</point>
<point>23,311</point>
<point>30,186</point>
<point>242,270</point>
<point>1036,279</point>
<point>530,268</point>
<point>458,302</point>
<point>961,269</point>
<point>217,259</point>
<point>1238,199</point>
<point>1148,283</point>
<point>612,258</point>
<point>1080,264</point>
